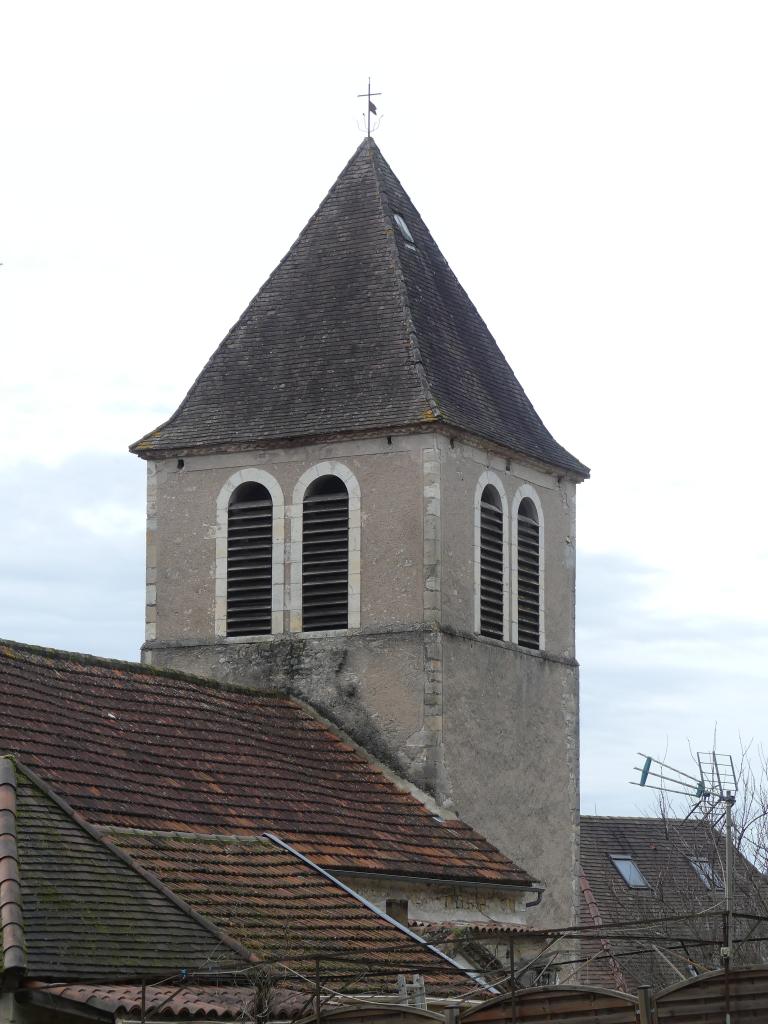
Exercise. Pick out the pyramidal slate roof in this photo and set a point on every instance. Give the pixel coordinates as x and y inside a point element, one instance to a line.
<point>358,329</point>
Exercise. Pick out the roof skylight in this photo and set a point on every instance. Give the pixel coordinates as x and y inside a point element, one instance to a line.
<point>707,872</point>
<point>404,230</point>
<point>629,871</point>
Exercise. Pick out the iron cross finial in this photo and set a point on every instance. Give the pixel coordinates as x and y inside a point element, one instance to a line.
<point>371,107</point>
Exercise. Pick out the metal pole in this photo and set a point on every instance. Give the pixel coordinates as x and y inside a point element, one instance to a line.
<point>512,978</point>
<point>729,867</point>
<point>317,990</point>
<point>644,1000</point>
<point>729,801</point>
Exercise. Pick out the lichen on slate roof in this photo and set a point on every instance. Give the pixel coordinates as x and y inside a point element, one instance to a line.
<point>358,329</point>
<point>87,913</point>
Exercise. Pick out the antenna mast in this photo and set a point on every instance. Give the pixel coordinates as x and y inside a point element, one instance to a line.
<point>716,783</point>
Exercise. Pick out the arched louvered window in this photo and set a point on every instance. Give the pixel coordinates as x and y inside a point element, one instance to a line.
<point>249,561</point>
<point>491,564</point>
<point>528,575</point>
<point>325,555</point>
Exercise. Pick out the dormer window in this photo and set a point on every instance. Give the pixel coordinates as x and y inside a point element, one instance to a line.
<point>629,871</point>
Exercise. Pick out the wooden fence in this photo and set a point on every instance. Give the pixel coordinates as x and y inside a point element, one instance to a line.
<point>705,1000</point>
<point>742,993</point>
<point>557,1004</point>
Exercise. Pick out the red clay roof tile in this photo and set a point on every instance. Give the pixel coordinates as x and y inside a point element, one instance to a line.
<point>129,746</point>
<point>285,910</point>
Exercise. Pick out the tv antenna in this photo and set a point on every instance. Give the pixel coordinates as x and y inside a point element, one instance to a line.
<point>716,784</point>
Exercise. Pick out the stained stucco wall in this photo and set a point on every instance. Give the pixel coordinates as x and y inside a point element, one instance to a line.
<point>441,904</point>
<point>182,525</point>
<point>510,750</point>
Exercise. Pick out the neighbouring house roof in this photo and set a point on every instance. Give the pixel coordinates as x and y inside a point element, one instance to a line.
<point>283,908</point>
<point>358,329</point>
<point>140,748</point>
<point>662,850</point>
<point>72,908</point>
<point>190,1002</point>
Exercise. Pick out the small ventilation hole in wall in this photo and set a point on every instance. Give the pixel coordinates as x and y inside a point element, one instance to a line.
<point>325,555</point>
<point>491,564</point>
<point>528,584</point>
<point>249,561</point>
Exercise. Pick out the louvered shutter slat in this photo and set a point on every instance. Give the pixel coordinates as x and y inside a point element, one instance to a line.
<point>249,563</point>
<point>491,565</point>
<point>325,559</point>
<point>528,581</point>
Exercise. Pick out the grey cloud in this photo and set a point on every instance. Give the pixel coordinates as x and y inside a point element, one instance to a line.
<point>652,682</point>
<point>61,585</point>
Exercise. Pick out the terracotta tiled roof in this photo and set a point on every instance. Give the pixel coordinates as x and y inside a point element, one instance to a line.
<point>139,748</point>
<point>87,913</point>
<point>174,1003</point>
<point>284,909</point>
<point>12,948</point>
<point>358,329</point>
<point>486,928</point>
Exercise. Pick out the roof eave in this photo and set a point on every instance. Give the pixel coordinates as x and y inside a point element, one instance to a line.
<point>576,471</point>
<point>466,882</point>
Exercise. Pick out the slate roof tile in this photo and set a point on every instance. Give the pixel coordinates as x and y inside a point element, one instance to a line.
<point>358,330</point>
<point>662,850</point>
<point>87,914</point>
<point>207,758</point>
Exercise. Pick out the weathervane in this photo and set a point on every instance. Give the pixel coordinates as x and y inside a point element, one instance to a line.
<point>371,108</point>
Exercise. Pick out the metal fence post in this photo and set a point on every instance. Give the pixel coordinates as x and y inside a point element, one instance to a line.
<point>644,999</point>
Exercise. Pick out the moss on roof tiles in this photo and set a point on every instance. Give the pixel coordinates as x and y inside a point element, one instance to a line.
<point>223,759</point>
<point>89,914</point>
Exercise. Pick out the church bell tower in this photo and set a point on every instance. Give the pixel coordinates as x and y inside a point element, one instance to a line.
<point>356,503</point>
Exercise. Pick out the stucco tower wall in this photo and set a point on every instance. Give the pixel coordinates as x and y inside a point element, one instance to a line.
<point>182,530</point>
<point>371,679</point>
<point>510,740</point>
<point>489,728</point>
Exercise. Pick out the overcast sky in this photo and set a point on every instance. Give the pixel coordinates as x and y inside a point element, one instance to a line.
<point>595,173</point>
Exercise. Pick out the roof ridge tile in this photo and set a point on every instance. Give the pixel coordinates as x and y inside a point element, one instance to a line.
<point>13,955</point>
